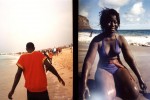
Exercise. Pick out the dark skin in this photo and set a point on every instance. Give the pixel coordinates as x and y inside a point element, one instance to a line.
<point>20,70</point>
<point>48,58</point>
<point>109,37</point>
<point>16,81</point>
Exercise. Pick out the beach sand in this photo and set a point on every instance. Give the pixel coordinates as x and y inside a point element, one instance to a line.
<point>63,63</point>
<point>141,55</point>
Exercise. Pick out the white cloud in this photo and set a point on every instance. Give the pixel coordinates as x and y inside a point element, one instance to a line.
<point>137,9</point>
<point>116,4</point>
<point>131,18</point>
<point>83,13</point>
<point>134,15</point>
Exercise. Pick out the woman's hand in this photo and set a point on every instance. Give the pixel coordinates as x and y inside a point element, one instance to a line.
<point>116,62</point>
<point>85,93</point>
<point>142,84</point>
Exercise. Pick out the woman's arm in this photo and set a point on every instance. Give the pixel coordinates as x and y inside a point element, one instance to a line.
<point>88,62</point>
<point>130,60</point>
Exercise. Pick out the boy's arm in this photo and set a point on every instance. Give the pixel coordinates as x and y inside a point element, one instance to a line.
<point>16,80</point>
<point>46,55</point>
<point>53,70</point>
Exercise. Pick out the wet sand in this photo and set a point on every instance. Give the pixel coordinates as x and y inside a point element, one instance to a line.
<point>63,63</point>
<point>8,70</point>
<point>141,56</point>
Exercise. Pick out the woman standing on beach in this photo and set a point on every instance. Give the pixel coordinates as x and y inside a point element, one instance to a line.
<point>109,44</point>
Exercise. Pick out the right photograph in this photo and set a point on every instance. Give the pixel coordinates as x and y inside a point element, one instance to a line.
<point>113,50</point>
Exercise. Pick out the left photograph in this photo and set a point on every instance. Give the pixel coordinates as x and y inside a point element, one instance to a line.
<point>36,50</point>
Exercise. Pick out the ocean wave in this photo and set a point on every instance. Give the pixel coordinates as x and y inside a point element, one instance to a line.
<point>138,40</point>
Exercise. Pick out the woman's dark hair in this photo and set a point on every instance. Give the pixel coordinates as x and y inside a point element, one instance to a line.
<point>105,15</point>
<point>30,45</point>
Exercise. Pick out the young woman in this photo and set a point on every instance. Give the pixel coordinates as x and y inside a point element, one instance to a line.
<point>109,44</point>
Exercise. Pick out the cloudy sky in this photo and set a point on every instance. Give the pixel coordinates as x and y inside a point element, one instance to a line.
<point>134,14</point>
<point>46,23</point>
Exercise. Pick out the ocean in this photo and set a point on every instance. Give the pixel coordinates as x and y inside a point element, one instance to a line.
<point>133,37</point>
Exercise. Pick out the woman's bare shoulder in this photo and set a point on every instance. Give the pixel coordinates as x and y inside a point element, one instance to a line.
<point>98,38</point>
<point>121,39</point>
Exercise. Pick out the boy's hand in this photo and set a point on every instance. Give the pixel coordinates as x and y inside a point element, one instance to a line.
<point>61,81</point>
<point>10,94</point>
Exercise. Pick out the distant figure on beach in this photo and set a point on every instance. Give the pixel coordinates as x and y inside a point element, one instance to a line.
<point>54,51</point>
<point>32,65</point>
<point>109,44</point>
<point>91,34</point>
<point>58,50</point>
<point>71,48</point>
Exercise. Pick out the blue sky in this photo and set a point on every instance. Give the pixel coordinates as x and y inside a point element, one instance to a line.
<point>134,14</point>
<point>46,23</point>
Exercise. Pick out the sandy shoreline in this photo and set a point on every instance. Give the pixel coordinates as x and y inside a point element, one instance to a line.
<point>63,63</point>
<point>140,53</point>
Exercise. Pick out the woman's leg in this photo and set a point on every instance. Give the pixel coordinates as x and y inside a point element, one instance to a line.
<point>125,84</point>
<point>105,84</point>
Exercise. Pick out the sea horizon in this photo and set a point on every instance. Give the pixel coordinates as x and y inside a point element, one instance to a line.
<point>133,37</point>
<point>118,29</point>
